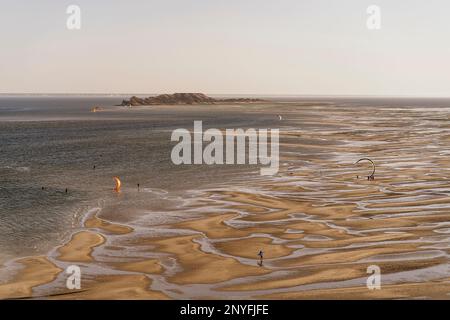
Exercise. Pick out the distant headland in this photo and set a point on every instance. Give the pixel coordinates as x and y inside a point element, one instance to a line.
<point>183,98</point>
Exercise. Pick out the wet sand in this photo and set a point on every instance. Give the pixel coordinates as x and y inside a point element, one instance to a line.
<point>320,222</point>
<point>36,271</point>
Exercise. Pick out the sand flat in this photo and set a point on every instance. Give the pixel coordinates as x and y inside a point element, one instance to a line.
<point>96,222</point>
<point>432,290</point>
<point>247,248</point>
<point>80,247</point>
<point>145,266</point>
<point>36,271</point>
<point>197,265</point>
<point>126,287</point>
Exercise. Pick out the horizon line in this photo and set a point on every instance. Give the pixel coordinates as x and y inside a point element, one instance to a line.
<point>230,94</point>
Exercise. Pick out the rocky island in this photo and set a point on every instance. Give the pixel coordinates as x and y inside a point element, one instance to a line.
<point>183,98</point>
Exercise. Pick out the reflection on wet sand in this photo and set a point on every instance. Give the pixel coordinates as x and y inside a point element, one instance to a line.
<point>318,224</point>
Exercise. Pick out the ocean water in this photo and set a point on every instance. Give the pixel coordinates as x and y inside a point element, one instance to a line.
<point>50,144</point>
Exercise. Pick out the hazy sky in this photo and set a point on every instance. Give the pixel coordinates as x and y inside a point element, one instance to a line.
<point>315,47</point>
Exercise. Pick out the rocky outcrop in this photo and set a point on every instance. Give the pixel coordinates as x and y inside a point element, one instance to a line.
<point>182,98</point>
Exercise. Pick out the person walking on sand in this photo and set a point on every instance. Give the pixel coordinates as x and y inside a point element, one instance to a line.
<point>261,257</point>
<point>261,254</point>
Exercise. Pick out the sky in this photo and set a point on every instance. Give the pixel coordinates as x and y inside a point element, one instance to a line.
<point>298,47</point>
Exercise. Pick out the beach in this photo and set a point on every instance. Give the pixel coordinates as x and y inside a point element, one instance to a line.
<point>319,221</point>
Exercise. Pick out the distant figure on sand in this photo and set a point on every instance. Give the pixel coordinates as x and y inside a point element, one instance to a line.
<point>280,117</point>
<point>261,254</point>
<point>138,186</point>
<point>261,257</point>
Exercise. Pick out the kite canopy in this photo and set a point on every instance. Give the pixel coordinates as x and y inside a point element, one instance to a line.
<point>373,166</point>
<point>118,184</point>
